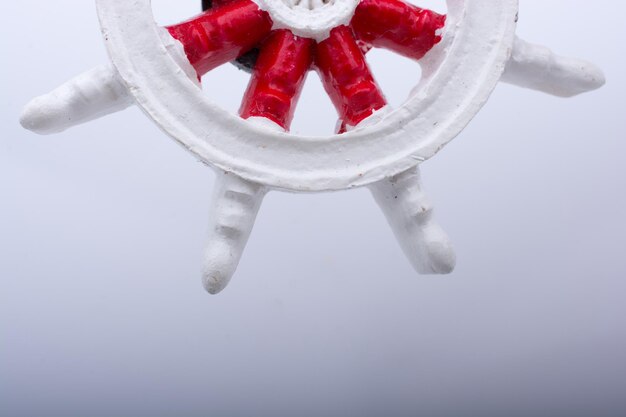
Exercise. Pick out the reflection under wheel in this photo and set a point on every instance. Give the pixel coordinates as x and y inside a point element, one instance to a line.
<point>463,56</point>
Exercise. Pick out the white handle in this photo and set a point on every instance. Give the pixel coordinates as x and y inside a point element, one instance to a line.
<point>538,68</point>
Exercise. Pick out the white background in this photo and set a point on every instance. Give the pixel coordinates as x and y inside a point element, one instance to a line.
<point>102,229</point>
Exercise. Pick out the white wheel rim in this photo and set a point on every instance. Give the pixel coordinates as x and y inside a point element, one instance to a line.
<point>458,77</point>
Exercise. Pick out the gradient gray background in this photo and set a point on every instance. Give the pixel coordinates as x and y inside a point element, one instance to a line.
<point>102,230</point>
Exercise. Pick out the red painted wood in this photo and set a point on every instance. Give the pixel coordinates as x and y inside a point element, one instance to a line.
<point>222,33</point>
<point>398,26</point>
<point>346,77</point>
<point>278,78</point>
<point>218,3</point>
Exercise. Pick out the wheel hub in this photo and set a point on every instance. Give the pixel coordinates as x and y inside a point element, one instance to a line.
<point>309,18</point>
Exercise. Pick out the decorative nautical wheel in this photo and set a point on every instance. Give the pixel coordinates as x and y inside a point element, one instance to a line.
<point>463,56</point>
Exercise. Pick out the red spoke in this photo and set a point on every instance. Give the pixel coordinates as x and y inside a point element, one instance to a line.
<point>398,26</point>
<point>278,78</point>
<point>222,34</point>
<point>218,3</point>
<point>347,78</point>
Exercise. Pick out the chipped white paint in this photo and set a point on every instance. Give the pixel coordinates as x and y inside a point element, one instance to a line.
<point>176,51</point>
<point>255,155</point>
